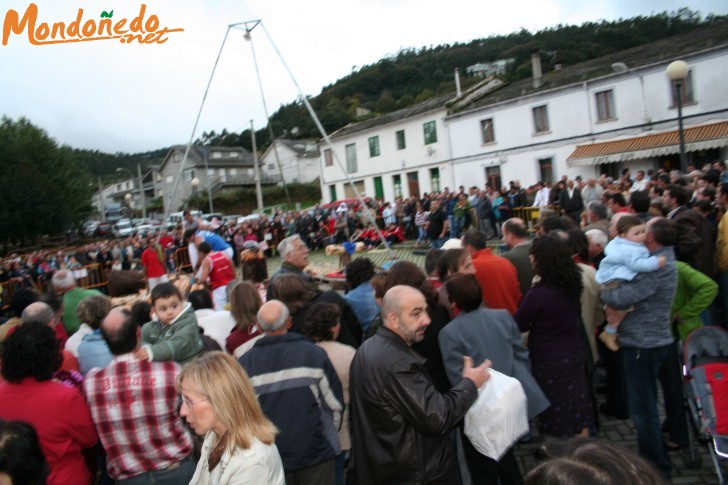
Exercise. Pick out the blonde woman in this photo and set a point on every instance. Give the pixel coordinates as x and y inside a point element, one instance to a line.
<point>219,402</point>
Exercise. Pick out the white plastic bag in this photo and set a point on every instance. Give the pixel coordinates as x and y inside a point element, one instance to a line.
<point>498,417</point>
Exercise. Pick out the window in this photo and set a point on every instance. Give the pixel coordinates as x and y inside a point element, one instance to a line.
<point>435,179</point>
<point>210,173</point>
<point>351,158</point>
<point>486,129</point>
<point>332,192</point>
<point>397,183</point>
<point>605,105</point>
<point>329,157</point>
<point>233,155</point>
<point>222,172</point>
<point>234,171</point>
<point>540,119</point>
<point>216,155</point>
<point>401,145</point>
<point>188,175</point>
<point>686,91</point>
<point>271,166</point>
<point>374,146</point>
<point>170,179</point>
<point>430,131</point>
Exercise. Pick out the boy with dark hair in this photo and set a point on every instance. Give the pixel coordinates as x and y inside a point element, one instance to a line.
<point>173,334</point>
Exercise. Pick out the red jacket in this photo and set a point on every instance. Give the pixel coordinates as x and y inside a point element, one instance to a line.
<point>498,279</point>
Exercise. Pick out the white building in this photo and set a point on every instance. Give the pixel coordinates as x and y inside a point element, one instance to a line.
<point>595,117</point>
<point>299,161</point>
<point>395,155</point>
<point>598,116</point>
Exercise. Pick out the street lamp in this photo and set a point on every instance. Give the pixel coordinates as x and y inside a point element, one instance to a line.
<point>127,198</point>
<point>141,186</point>
<point>678,72</point>
<point>195,184</point>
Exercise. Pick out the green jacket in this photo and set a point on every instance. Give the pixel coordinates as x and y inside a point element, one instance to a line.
<point>179,341</point>
<point>695,292</point>
<point>70,302</point>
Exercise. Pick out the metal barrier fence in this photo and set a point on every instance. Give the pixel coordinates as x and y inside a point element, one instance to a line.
<point>91,276</point>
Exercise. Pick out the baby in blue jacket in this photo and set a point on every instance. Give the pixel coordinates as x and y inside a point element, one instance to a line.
<point>625,256</point>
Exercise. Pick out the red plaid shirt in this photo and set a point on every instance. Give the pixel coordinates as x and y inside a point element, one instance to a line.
<point>133,405</point>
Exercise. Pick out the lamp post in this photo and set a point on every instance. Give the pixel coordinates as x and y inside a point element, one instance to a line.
<point>127,198</point>
<point>678,71</point>
<point>141,186</point>
<point>195,184</point>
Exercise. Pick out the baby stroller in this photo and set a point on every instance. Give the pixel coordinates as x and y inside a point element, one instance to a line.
<point>705,372</point>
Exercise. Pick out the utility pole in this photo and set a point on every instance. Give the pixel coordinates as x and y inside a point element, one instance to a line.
<point>141,191</point>
<point>258,189</point>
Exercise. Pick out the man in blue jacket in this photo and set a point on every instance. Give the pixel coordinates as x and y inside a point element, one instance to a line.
<point>300,392</point>
<point>645,338</point>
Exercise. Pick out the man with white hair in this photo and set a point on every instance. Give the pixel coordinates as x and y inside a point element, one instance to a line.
<point>596,217</point>
<point>64,284</point>
<point>597,242</point>
<point>300,392</point>
<point>294,253</point>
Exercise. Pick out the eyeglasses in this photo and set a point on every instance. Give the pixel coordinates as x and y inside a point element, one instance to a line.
<point>189,403</point>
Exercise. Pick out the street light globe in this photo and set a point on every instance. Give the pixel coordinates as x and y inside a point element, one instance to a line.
<point>127,197</point>
<point>195,182</point>
<point>677,70</point>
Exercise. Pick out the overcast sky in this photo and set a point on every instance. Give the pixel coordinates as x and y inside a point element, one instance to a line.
<point>128,97</point>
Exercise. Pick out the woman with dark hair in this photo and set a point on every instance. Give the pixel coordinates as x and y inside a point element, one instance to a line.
<point>21,458</point>
<point>323,326</point>
<point>245,302</point>
<point>550,312</point>
<point>453,262</point>
<point>361,294</point>
<point>409,274</point>
<point>579,246</point>
<point>299,297</point>
<point>57,411</point>
<point>592,462</point>
<point>484,333</point>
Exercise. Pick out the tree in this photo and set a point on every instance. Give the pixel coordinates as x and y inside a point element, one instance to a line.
<point>46,192</point>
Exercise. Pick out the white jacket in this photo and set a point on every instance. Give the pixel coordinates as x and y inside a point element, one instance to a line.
<point>258,464</point>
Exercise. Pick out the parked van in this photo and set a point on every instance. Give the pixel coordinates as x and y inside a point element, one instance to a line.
<point>177,218</point>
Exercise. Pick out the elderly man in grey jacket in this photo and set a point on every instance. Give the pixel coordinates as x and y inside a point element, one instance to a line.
<point>645,338</point>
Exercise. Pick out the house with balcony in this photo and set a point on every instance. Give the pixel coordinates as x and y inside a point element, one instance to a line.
<point>298,159</point>
<point>600,116</point>
<point>398,154</point>
<point>213,169</point>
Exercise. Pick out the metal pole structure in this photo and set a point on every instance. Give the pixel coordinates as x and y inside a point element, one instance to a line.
<point>141,191</point>
<point>102,203</point>
<point>258,188</point>
<point>683,157</point>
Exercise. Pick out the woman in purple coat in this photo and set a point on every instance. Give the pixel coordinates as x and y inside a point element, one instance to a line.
<point>550,313</point>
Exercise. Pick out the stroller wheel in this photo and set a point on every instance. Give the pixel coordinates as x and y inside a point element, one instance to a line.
<point>691,457</point>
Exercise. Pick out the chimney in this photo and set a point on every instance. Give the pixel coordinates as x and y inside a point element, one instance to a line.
<point>458,91</point>
<point>536,68</point>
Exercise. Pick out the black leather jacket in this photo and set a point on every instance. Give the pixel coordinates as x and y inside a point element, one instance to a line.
<point>399,422</point>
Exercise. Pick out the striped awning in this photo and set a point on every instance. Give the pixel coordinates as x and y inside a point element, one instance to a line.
<point>659,144</point>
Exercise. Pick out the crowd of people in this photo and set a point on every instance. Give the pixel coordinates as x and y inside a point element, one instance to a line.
<point>288,382</point>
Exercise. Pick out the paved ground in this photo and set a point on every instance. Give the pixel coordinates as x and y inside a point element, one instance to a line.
<point>616,430</point>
